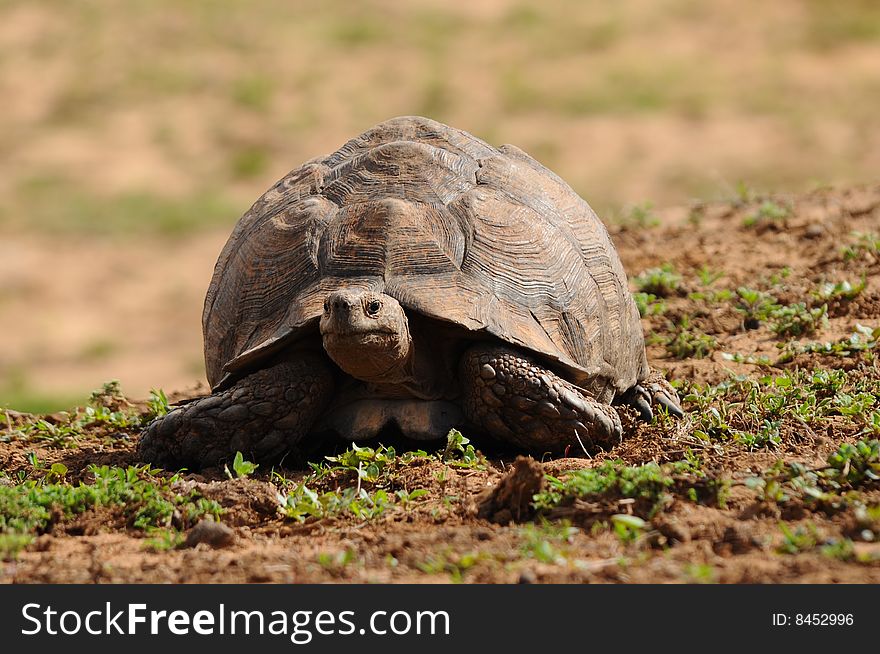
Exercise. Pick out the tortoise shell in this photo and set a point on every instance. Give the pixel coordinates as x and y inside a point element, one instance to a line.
<point>457,230</point>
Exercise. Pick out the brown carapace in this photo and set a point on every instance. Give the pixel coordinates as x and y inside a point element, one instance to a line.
<point>416,279</point>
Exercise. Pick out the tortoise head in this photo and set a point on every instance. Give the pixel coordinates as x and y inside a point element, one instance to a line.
<point>367,335</point>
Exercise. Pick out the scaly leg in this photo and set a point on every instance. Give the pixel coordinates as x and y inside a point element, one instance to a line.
<point>263,416</point>
<point>522,402</point>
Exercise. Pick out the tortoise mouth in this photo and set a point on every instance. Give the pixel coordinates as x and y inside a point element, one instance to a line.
<point>355,332</point>
<point>361,338</point>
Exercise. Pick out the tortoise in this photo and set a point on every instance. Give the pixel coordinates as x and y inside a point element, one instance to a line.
<point>417,279</point>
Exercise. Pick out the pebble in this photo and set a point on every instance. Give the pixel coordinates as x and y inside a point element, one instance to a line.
<point>527,577</point>
<point>213,534</point>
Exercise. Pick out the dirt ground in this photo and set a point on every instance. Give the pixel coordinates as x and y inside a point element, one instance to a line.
<point>135,134</point>
<point>789,246</point>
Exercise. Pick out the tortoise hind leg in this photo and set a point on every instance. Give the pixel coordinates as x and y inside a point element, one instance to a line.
<point>518,400</point>
<point>263,416</point>
<point>654,389</point>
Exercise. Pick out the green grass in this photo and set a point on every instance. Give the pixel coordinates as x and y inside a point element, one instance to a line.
<point>303,503</point>
<point>663,281</point>
<point>767,212</point>
<point>798,319</point>
<point>649,304</point>
<point>36,401</point>
<point>863,341</point>
<point>451,563</point>
<point>254,92</point>
<point>614,479</point>
<point>106,408</point>
<point>547,542</point>
<point>249,162</point>
<point>758,413</point>
<point>862,245</point>
<point>364,482</point>
<point>144,501</point>
<point>60,206</point>
<point>685,342</point>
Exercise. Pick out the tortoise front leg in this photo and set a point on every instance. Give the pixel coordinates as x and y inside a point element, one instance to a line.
<point>263,416</point>
<point>518,400</point>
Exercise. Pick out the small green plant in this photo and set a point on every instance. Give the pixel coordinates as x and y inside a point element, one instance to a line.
<point>801,539</point>
<point>628,528</point>
<point>744,193</point>
<point>767,212</point>
<point>336,561</point>
<point>797,319</point>
<point>842,550</point>
<point>649,304</point>
<point>855,464</point>
<point>840,291</point>
<point>641,215</point>
<point>57,472</point>
<point>767,434</point>
<point>455,565</point>
<point>157,405</point>
<point>768,490</point>
<point>109,396</point>
<point>862,245</point>
<point>241,467</point>
<point>753,359</point>
<point>405,498</point>
<point>660,282</point>
<point>13,543</point>
<point>708,276</point>
<point>700,573</point>
<point>162,540</point>
<point>687,343</point>
<point>755,305</point>
<point>545,542</point>
<point>872,425</point>
<point>370,465</point>
<point>302,503</point>
<point>460,453</point>
<point>862,341</point>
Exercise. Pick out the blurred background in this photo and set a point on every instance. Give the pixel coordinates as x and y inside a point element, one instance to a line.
<point>134,134</point>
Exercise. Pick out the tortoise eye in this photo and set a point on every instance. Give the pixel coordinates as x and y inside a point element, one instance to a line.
<point>373,307</point>
<point>327,305</point>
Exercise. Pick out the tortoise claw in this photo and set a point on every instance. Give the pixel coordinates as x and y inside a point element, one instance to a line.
<point>643,406</point>
<point>653,390</point>
<point>638,398</point>
<point>660,396</point>
<point>662,393</point>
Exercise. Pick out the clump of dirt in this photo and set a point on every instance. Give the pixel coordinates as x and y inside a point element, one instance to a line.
<point>245,501</point>
<point>510,500</point>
